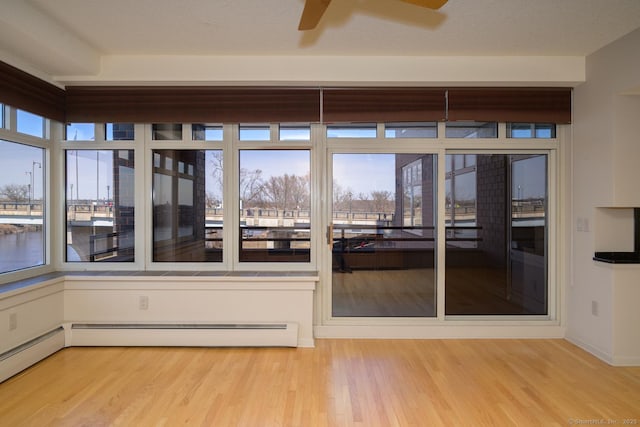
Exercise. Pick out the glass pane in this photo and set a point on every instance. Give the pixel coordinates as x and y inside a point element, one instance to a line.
<point>411,130</point>
<point>21,206</point>
<point>496,257</point>
<point>166,132</point>
<point>275,204</point>
<point>531,130</point>
<point>80,132</point>
<point>295,133</point>
<point>2,116</point>
<point>255,133</point>
<point>100,205</point>
<point>187,206</point>
<point>471,130</point>
<point>119,132</point>
<point>203,132</point>
<point>383,235</point>
<point>545,131</point>
<point>30,124</point>
<point>356,130</point>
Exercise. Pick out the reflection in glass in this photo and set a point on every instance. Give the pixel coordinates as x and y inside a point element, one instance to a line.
<point>100,203</point>
<point>471,130</point>
<point>383,242</point>
<point>22,205</point>
<point>166,131</point>
<point>119,132</point>
<point>187,205</point>
<point>531,130</point>
<point>204,132</point>
<point>460,200</point>
<point>496,247</point>
<point>275,206</point>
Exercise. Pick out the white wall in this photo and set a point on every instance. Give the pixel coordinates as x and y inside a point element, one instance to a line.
<point>606,173</point>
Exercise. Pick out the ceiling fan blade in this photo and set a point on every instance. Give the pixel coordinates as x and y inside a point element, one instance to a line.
<point>429,4</point>
<point>313,11</point>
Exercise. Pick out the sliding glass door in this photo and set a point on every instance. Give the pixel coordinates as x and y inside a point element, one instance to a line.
<point>496,244</point>
<point>382,235</point>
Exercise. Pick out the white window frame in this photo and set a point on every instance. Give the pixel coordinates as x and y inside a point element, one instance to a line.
<point>8,132</point>
<point>557,151</point>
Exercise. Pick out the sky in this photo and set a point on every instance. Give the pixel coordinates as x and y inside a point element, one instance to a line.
<point>18,162</point>
<point>364,173</point>
<point>94,173</point>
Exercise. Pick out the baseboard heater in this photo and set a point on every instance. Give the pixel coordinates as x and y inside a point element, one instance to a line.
<point>185,334</point>
<point>31,352</point>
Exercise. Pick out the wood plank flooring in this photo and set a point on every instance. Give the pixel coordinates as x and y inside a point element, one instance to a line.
<point>338,383</point>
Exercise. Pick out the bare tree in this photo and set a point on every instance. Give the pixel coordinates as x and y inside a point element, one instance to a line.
<point>15,192</point>
<point>251,187</point>
<point>286,192</point>
<point>216,174</point>
<point>382,201</point>
<point>342,198</point>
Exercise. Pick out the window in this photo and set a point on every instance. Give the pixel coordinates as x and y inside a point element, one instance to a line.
<point>295,133</point>
<point>187,205</point>
<point>460,200</point>
<point>411,130</point>
<point>255,133</point>
<point>30,124</point>
<point>119,132</point>
<point>355,130</point>
<point>412,194</point>
<point>80,132</point>
<point>501,268</point>
<point>204,132</point>
<point>275,206</point>
<point>2,117</point>
<point>100,205</point>
<point>166,132</point>
<point>531,130</point>
<point>471,130</point>
<point>22,238</point>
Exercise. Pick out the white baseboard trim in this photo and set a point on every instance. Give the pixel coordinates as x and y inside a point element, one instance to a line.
<point>30,353</point>
<point>600,354</point>
<point>603,355</point>
<point>439,331</point>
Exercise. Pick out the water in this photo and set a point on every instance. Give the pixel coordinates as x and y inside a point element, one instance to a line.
<point>21,250</point>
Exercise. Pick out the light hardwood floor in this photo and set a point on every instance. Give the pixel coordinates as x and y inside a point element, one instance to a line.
<point>338,383</point>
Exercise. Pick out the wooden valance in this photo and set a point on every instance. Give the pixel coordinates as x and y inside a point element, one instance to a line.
<point>192,104</point>
<point>534,105</point>
<point>26,92</point>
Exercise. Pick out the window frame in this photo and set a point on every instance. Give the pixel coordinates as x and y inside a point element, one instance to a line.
<point>556,150</point>
<point>232,174</point>
<point>101,143</point>
<point>9,133</point>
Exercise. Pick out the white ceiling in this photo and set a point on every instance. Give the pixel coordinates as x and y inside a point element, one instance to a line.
<point>99,29</point>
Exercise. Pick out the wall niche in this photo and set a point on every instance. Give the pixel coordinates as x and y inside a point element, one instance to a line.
<point>617,235</point>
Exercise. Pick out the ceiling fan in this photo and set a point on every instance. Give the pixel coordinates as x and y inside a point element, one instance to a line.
<point>314,9</point>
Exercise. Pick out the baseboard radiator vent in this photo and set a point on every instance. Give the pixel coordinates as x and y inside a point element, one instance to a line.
<point>31,352</point>
<point>184,334</point>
